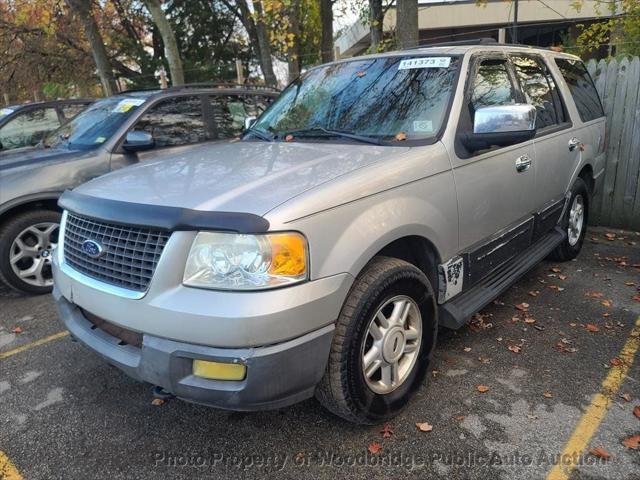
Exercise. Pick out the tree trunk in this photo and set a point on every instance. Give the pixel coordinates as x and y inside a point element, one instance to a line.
<point>376,18</point>
<point>264,46</point>
<point>407,23</point>
<point>83,10</point>
<point>293,54</point>
<point>326,20</point>
<point>171,51</point>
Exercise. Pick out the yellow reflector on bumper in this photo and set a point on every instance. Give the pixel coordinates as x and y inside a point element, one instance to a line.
<point>219,371</point>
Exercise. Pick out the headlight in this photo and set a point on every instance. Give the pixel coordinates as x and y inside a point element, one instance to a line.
<point>230,261</point>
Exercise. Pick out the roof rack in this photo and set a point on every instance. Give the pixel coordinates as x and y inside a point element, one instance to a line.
<point>187,86</point>
<point>455,43</point>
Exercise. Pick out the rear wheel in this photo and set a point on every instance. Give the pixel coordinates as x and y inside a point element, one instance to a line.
<point>574,223</point>
<point>26,246</point>
<point>384,339</point>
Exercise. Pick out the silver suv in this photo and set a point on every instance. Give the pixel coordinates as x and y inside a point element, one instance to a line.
<point>376,199</point>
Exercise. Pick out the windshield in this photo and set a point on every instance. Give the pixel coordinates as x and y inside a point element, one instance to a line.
<point>95,125</point>
<point>389,98</point>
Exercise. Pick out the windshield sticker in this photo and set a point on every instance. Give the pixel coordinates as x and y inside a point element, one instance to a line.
<point>423,126</point>
<point>101,139</point>
<point>5,111</point>
<point>127,104</point>
<point>425,62</point>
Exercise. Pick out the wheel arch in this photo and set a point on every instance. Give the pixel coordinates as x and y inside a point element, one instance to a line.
<point>586,173</point>
<point>46,201</point>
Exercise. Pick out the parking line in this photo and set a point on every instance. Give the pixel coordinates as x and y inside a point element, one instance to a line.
<point>42,341</point>
<point>8,471</point>
<point>595,413</point>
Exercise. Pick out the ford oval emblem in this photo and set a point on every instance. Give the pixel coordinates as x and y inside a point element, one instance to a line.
<point>92,249</point>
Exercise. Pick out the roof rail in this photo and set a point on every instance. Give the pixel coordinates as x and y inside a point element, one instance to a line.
<point>454,43</point>
<point>203,85</point>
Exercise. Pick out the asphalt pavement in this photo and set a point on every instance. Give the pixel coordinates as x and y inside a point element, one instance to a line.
<point>546,374</point>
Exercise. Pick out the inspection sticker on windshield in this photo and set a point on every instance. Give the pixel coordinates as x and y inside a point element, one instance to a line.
<point>424,62</point>
<point>5,111</point>
<point>127,104</point>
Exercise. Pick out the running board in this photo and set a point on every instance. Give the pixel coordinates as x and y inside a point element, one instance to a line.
<point>459,309</point>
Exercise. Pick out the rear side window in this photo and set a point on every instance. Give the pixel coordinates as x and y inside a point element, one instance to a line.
<point>582,89</point>
<point>539,89</point>
<point>228,112</point>
<point>72,109</point>
<point>29,128</point>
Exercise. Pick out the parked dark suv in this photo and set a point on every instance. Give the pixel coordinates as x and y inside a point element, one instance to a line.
<point>112,133</point>
<point>26,125</point>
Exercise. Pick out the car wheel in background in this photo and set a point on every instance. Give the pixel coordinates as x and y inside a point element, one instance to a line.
<point>384,339</point>
<point>27,241</point>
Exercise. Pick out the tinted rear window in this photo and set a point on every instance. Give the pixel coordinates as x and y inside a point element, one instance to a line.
<point>582,89</point>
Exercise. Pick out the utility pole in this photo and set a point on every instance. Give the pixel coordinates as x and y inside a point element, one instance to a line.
<point>514,30</point>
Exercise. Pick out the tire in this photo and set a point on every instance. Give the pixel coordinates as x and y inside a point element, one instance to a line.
<point>344,389</point>
<point>571,246</point>
<point>35,253</point>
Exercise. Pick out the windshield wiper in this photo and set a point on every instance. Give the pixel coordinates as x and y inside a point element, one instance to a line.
<point>262,135</point>
<point>325,132</point>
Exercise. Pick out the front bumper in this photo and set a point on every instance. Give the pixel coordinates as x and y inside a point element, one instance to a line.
<point>277,375</point>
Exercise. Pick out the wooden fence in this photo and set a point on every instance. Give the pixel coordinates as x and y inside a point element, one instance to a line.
<point>618,202</point>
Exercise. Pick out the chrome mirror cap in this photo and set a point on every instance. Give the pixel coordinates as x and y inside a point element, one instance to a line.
<point>519,117</point>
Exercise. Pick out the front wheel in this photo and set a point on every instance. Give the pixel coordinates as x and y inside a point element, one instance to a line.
<point>574,223</point>
<point>27,242</point>
<point>385,336</point>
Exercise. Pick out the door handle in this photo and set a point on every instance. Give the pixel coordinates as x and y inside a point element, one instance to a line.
<point>575,143</point>
<point>523,163</point>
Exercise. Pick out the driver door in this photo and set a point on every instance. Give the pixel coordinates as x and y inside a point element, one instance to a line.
<point>496,195</point>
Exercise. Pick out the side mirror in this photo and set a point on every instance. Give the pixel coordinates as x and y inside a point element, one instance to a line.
<point>501,126</point>
<point>249,121</point>
<point>137,141</point>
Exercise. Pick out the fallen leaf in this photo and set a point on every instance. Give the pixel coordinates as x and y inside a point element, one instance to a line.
<point>401,136</point>
<point>600,453</point>
<point>387,431</point>
<point>636,298</point>
<point>606,314</point>
<point>361,73</point>
<point>594,294</point>
<point>606,303</point>
<point>484,360</point>
<point>522,306</point>
<point>156,402</point>
<point>610,236</point>
<point>529,320</point>
<point>515,348</point>
<point>616,362</point>
<point>482,388</point>
<point>562,277</point>
<point>374,448</point>
<point>636,411</point>
<point>555,270</point>
<point>300,456</point>
<point>592,328</point>
<point>424,426</point>
<point>534,293</point>
<point>17,330</point>
<point>630,284</point>
<point>467,349</point>
<point>288,138</point>
<point>626,397</point>
<point>632,442</point>
<point>547,394</point>
<point>459,418</point>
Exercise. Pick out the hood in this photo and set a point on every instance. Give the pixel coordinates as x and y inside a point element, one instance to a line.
<point>36,156</point>
<point>250,176</point>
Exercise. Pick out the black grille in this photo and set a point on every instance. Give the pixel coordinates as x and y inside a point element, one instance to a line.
<point>130,253</point>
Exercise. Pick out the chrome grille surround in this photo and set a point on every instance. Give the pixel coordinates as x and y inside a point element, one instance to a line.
<point>130,254</point>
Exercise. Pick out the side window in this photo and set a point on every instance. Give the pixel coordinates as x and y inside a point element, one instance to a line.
<point>492,85</point>
<point>71,110</point>
<point>175,121</point>
<point>539,89</point>
<point>582,89</point>
<point>256,104</point>
<point>29,128</point>
<point>227,115</point>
